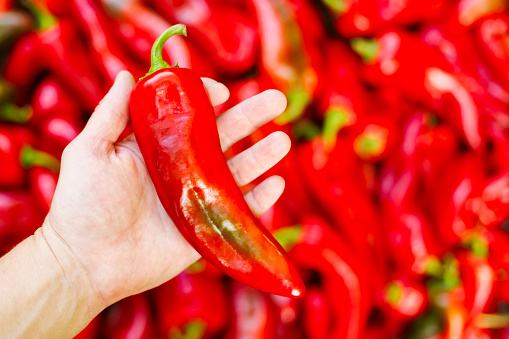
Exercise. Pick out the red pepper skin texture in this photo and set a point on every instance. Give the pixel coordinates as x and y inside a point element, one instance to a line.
<point>56,133</point>
<point>175,126</point>
<point>192,297</point>
<point>60,51</point>
<point>147,21</point>
<point>316,313</point>
<point>254,316</point>
<point>225,31</point>
<point>129,318</point>
<point>12,139</point>
<point>91,331</point>
<point>42,182</point>
<point>50,98</point>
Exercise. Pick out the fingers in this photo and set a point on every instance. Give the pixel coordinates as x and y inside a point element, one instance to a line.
<point>248,116</point>
<point>218,93</point>
<point>263,196</point>
<point>112,114</point>
<point>257,159</point>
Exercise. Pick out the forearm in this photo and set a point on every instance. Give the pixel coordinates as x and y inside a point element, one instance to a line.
<point>44,292</point>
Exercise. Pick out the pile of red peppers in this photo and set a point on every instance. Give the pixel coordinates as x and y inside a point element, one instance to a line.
<point>396,204</point>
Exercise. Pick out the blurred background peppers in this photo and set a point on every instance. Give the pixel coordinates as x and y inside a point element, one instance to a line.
<point>397,185</point>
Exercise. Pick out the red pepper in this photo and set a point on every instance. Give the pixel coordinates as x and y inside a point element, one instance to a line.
<point>5,5</point>
<point>107,52</point>
<point>356,18</point>
<point>91,331</point>
<point>285,61</point>
<point>19,217</point>
<point>315,246</point>
<point>467,62</point>
<point>56,133</point>
<point>51,99</point>
<point>151,24</point>
<point>192,302</point>
<point>316,314</point>
<point>193,182</point>
<point>43,182</point>
<point>16,154</point>
<point>55,47</point>
<point>423,75</point>
<point>253,314</point>
<point>129,318</point>
<point>490,39</point>
<point>403,299</point>
<point>226,31</point>
<point>462,181</point>
<point>287,311</point>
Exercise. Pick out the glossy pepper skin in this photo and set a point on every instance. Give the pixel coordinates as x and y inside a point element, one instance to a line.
<point>175,126</point>
<point>55,47</point>
<point>224,30</point>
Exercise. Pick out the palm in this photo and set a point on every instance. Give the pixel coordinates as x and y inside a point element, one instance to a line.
<point>106,208</point>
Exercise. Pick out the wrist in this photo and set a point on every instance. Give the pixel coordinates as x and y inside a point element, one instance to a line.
<point>59,259</point>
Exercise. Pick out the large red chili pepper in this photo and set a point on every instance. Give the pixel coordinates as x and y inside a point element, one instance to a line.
<point>16,155</point>
<point>253,314</point>
<point>55,47</point>
<point>315,246</point>
<point>192,302</point>
<point>129,318</point>
<point>174,124</point>
<point>226,31</point>
<point>147,21</point>
<point>107,52</point>
<point>284,60</point>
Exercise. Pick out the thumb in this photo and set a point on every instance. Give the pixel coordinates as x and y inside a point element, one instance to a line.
<point>112,114</point>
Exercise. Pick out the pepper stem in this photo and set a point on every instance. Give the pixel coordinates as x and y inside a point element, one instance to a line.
<point>366,48</point>
<point>30,157</point>
<point>42,15</point>
<point>13,113</point>
<point>156,58</point>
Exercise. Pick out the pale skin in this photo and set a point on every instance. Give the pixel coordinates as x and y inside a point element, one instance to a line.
<point>107,236</point>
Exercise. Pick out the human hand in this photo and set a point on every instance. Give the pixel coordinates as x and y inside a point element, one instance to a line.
<point>105,213</point>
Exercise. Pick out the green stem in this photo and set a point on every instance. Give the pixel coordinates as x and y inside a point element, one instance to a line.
<point>42,15</point>
<point>156,56</point>
<point>12,113</point>
<point>493,321</point>
<point>366,48</point>
<point>30,157</point>
<point>335,120</point>
<point>298,100</point>
<point>288,236</point>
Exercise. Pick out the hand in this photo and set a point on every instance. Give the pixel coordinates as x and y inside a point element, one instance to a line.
<point>105,213</point>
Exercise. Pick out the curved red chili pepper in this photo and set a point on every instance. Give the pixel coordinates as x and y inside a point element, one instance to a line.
<point>129,318</point>
<point>192,299</point>
<point>107,52</point>
<point>174,124</point>
<point>315,246</point>
<point>225,31</point>
<point>55,47</point>
<point>253,314</point>
<point>285,61</point>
